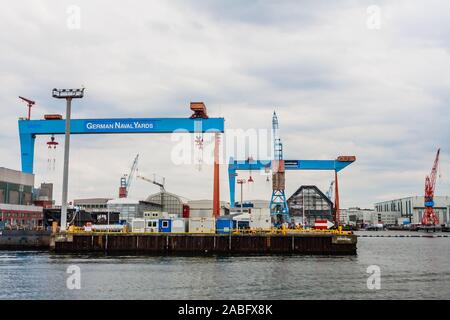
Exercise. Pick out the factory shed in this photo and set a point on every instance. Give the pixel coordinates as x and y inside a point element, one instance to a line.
<point>311,202</point>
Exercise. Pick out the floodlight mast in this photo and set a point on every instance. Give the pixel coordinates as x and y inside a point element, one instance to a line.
<point>67,94</point>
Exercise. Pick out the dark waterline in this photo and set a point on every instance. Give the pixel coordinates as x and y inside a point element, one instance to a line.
<point>411,268</point>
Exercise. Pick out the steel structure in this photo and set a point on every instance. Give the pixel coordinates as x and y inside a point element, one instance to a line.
<point>125,180</point>
<point>29,129</point>
<point>30,104</point>
<point>68,95</point>
<point>245,165</point>
<point>278,202</point>
<point>430,217</point>
<point>159,184</point>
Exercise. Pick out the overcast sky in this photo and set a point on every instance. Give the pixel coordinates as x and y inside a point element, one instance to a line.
<point>363,78</point>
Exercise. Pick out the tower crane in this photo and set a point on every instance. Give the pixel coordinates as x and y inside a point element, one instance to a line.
<point>159,184</point>
<point>30,104</point>
<point>430,217</point>
<point>126,179</point>
<point>278,204</point>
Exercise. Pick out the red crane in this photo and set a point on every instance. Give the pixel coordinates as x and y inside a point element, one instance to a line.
<point>430,217</point>
<point>30,104</point>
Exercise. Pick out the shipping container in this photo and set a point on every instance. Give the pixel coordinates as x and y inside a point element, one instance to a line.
<point>224,226</point>
<point>179,225</point>
<point>260,218</point>
<point>138,225</point>
<point>155,215</point>
<point>202,225</point>
<point>152,225</point>
<point>165,225</point>
<point>260,222</point>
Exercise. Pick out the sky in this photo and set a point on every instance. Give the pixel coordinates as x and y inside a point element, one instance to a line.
<point>363,78</point>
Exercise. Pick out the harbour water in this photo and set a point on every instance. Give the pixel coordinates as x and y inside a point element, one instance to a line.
<point>411,268</point>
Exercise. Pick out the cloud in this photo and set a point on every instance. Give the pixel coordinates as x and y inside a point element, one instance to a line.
<point>338,87</point>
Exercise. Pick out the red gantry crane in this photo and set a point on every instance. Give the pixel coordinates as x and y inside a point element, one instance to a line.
<point>430,217</point>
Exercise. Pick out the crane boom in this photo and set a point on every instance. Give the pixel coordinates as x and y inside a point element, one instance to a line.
<point>430,217</point>
<point>330,191</point>
<point>160,185</point>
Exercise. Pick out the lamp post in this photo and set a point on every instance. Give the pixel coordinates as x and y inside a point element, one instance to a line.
<point>241,182</point>
<point>67,94</point>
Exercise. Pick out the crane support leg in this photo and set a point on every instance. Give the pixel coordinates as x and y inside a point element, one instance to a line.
<point>27,151</point>
<point>337,213</point>
<point>216,192</point>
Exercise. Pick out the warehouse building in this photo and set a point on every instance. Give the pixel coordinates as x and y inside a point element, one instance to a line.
<point>169,202</point>
<point>204,208</point>
<point>129,209</point>
<point>413,208</point>
<point>16,201</point>
<point>312,203</point>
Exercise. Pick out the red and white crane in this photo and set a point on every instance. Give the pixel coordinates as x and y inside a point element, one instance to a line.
<point>125,181</point>
<point>430,217</point>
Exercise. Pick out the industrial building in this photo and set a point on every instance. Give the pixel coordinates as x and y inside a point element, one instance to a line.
<point>16,201</point>
<point>129,208</point>
<point>311,203</point>
<point>412,208</point>
<point>92,204</point>
<point>169,202</point>
<point>358,216</point>
<point>204,208</point>
<point>16,187</point>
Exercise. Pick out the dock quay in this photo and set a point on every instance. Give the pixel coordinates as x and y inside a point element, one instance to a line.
<point>204,244</point>
<point>24,240</point>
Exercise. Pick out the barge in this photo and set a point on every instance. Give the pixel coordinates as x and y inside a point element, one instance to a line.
<point>205,244</point>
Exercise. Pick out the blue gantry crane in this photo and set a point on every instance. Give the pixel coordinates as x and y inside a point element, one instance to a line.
<point>279,166</point>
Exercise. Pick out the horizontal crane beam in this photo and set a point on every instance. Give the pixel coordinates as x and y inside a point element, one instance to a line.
<point>122,125</point>
<point>29,129</point>
<point>246,165</point>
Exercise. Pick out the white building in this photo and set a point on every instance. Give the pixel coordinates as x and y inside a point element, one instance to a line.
<point>413,208</point>
<point>204,208</point>
<point>92,204</point>
<point>357,216</point>
<point>130,208</point>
